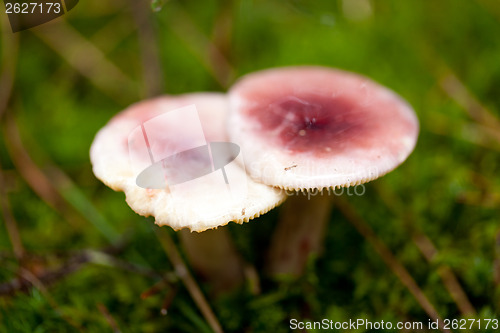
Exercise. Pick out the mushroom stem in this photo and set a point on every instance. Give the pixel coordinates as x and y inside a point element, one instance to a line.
<point>212,254</point>
<point>299,233</point>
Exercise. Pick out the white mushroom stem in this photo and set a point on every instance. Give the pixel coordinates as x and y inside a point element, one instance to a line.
<point>212,254</point>
<point>299,233</point>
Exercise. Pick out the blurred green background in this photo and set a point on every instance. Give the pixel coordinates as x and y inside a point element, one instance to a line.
<point>422,242</point>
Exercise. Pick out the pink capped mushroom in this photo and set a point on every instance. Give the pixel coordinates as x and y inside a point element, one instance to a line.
<point>315,129</point>
<point>172,159</point>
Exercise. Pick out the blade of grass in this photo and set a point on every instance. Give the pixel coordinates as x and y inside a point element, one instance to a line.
<point>201,46</point>
<point>200,324</point>
<point>187,279</point>
<point>88,60</point>
<point>58,191</point>
<point>79,201</point>
<point>74,196</point>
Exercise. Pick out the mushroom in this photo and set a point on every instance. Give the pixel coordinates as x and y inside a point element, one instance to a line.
<point>315,129</point>
<point>171,157</point>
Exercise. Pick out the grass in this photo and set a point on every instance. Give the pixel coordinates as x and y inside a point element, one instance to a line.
<point>410,241</point>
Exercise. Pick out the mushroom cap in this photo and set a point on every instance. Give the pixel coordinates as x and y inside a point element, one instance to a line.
<point>308,127</point>
<point>172,126</point>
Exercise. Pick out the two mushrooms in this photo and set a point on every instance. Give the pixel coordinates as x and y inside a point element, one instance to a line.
<point>199,161</point>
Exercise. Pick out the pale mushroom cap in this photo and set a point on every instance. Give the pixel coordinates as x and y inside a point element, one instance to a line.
<point>199,204</point>
<point>313,128</point>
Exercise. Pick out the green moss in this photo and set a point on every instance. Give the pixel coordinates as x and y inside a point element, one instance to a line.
<point>448,190</point>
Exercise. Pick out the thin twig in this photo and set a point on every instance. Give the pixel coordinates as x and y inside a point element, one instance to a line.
<point>449,279</point>
<point>112,34</point>
<point>107,259</point>
<point>471,131</point>
<point>109,318</point>
<point>38,284</point>
<point>10,48</point>
<point>35,178</point>
<point>476,110</point>
<point>449,83</point>
<point>496,265</point>
<point>491,6</point>
<point>429,251</point>
<point>53,190</point>
<point>49,277</point>
<point>484,194</point>
<point>222,36</point>
<point>106,256</point>
<point>167,301</point>
<point>187,279</point>
<point>58,191</point>
<point>155,289</point>
<point>10,222</point>
<point>148,44</point>
<point>390,260</point>
<point>202,47</point>
<point>88,60</point>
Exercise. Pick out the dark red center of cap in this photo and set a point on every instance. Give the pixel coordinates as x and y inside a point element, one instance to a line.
<point>312,123</point>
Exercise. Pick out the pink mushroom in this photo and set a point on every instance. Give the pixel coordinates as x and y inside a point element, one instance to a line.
<point>157,152</point>
<point>315,129</point>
